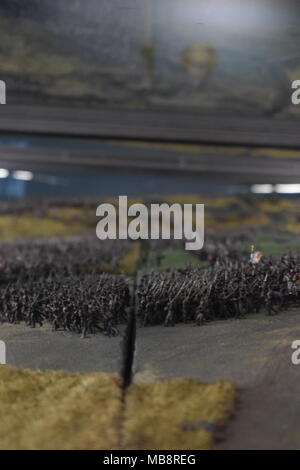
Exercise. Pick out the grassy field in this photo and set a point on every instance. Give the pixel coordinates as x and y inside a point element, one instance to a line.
<point>173,258</point>
<point>60,410</point>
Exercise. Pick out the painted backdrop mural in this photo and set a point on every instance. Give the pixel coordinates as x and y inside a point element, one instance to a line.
<point>225,57</point>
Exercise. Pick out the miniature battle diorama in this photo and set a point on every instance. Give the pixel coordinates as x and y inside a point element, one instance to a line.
<point>144,320</point>
<point>134,342</point>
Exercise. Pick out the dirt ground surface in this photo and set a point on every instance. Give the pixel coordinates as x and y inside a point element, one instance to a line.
<point>255,352</point>
<point>42,348</point>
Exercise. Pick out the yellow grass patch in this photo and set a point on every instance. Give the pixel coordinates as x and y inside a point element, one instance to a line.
<point>276,206</point>
<point>210,202</point>
<point>83,215</point>
<point>27,226</point>
<point>176,414</point>
<point>235,222</point>
<point>60,410</point>
<point>293,225</point>
<point>129,262</point>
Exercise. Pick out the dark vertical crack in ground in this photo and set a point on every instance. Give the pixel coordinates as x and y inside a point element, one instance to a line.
<point>129,339</point>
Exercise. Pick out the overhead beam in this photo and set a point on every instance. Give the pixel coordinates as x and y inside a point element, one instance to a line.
<point>228,167</point>
<point>149,125</point>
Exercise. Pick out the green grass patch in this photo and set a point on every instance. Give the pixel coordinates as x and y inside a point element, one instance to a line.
<point>174,258</point>
<point>278,248</point>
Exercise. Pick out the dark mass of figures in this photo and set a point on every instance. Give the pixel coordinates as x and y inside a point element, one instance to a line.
<point>86,304</point>
<point>60,281</point>
<point>230,288</point>
<point>57,257</point>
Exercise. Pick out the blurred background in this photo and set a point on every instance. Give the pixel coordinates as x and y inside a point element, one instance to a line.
<point>149,97</point>
<point>185,101</point>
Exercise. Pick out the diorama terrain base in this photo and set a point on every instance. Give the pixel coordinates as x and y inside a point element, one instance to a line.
<point>255,352</point>
<point>44,349</point>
